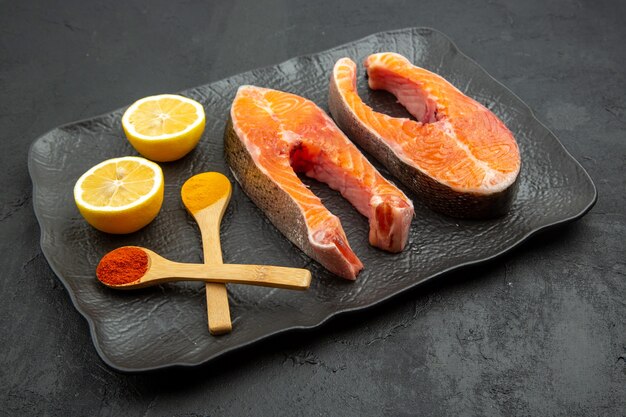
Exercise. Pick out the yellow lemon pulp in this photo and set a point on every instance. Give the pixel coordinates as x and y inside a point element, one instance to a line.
<point>164,127</point>
<point>120,195</point>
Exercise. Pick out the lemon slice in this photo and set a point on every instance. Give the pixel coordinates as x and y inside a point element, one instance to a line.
<point>120,195</point>
<point>164,127</point>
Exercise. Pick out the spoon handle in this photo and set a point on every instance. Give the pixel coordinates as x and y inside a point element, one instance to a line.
<point>218,310</point>
<point>262,275</point>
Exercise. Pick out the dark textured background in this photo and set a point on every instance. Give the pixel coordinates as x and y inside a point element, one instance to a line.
<point>541,331</point>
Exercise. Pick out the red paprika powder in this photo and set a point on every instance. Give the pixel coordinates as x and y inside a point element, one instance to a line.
<point>122,266</point>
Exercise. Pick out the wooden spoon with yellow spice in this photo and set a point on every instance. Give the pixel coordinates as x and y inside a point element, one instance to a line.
<point>206,196</point>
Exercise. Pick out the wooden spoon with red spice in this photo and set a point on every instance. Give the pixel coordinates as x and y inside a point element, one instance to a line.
<point>131,267</point>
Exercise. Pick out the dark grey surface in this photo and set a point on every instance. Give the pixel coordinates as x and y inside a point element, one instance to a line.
<point>538,332</point>
<point>166,326</point>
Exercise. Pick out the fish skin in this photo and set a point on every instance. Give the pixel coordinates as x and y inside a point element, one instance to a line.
<point>390,213</point>
<point>472,203</point>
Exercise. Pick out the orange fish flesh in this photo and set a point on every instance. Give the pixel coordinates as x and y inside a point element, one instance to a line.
<point>272,136</point>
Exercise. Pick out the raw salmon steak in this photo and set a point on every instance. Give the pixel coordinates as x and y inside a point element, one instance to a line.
<point>458,157</point>
<point>272,136</point>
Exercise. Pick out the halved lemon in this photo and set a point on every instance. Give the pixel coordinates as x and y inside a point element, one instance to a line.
<point>120,195</point>
<point>164,127</point>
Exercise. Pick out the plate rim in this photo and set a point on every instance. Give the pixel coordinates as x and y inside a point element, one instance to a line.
<point>189,364</point>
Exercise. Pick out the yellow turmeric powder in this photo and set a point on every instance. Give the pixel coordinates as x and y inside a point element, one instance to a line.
<point>202,190</point>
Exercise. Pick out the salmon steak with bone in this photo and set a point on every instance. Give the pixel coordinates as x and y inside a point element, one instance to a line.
<point>457,156</point>
<point>271,137</point>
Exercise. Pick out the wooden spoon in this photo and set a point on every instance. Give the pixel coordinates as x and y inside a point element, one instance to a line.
<point>158,270</point>
<point>206,196</point>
